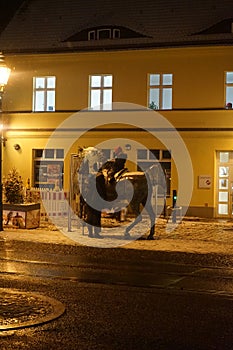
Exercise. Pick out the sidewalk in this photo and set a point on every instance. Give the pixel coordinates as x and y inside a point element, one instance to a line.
<point>193,236</point>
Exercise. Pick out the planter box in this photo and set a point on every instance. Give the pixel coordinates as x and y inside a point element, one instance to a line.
<point>21,215</point>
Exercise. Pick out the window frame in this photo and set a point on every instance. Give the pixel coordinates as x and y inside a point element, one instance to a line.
<point>158,156</point>
<point>104,30</point>
<point>42,160</point>
<point>228,85</point>
<point>45,90</point>
<point>162,88</point>
<point>101,89</point>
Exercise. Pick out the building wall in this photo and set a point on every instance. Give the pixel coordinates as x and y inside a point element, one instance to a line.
<point>198,105</point>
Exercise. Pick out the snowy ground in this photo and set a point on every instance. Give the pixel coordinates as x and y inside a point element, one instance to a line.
<point>195,236</point>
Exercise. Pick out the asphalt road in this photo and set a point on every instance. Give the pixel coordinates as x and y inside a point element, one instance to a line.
<point>122,299</point>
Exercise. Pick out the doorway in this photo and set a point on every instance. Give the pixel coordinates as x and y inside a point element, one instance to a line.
<point>224,184</point>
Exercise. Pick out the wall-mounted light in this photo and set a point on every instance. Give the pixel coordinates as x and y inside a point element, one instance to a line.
<point>127,147</point>
<point>17,147</point>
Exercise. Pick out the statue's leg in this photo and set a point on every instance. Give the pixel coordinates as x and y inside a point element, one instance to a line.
<point>90,230</point>
<point>151,213</point>
<point>134,223</point>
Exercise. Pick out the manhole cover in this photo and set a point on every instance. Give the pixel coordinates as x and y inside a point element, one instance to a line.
<point>24,309</point>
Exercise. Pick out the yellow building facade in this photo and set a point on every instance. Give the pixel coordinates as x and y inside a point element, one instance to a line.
<point>198,114</point>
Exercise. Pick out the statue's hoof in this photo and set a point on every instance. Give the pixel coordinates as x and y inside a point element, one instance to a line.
<point>97,235</point>
<point>150,238</point>
<point>127,235</point>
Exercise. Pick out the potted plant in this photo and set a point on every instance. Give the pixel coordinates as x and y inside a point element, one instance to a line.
<point>17,213</point>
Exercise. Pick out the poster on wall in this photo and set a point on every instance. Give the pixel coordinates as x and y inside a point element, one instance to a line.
<point>204,181</point>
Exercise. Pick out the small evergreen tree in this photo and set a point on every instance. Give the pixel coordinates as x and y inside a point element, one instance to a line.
<point>153,105</point>
<point>13,188</point>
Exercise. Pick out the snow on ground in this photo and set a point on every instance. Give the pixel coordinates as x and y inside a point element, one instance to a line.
<point>193,235</point>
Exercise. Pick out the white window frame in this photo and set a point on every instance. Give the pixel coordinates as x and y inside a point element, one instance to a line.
<point>116,33</point>
<point>46,162</point>
<point>99,31</point>
<point>91,35</point>
<point>162,87</point>
<point>229,89</point>
<point>44,90</point>
<point>100,92</point>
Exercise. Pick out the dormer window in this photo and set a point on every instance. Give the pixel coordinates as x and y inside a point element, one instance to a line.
<point>91,35</point>
<point>224,26</point>
<point>116,34</point>
<point>105,32</point>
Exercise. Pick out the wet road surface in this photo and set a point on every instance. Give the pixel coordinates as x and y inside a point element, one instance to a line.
<point>122,299</point>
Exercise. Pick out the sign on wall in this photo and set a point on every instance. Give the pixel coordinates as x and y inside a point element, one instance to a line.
<point>204,181</point>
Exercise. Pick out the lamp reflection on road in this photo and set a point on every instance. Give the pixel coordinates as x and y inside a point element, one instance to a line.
<point>4,76</point>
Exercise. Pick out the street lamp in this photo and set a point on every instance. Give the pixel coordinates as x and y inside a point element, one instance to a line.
<point>4,75</point>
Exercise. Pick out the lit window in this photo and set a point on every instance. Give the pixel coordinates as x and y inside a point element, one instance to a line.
<point>44,94</point>
<point>229,89</point>
<point>100,92</point>
<point>160,91</point>
<point>48,167</point>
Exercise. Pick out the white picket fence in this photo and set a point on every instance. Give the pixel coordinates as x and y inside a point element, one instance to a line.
<point>53,203</point>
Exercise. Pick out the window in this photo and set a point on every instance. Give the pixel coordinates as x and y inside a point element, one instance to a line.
<point>116,33</point>
<point>44,94</point>
<point>91,35</point>
<point>229,89</point>
<point>100,92</point>
<point>224,176</point>
<point>160,91</point>
<point>146,158</point>
<point>48,168</point>
<point>103,34</point>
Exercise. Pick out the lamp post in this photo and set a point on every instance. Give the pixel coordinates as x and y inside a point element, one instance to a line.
<point>4,75</point>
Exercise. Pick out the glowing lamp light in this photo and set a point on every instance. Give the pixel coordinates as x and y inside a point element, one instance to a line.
<point>4,73</point>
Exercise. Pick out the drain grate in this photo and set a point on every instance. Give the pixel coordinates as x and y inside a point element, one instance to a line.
<point>24,309</point>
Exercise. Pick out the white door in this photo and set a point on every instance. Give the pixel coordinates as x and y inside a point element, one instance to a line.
<point>224,184</point>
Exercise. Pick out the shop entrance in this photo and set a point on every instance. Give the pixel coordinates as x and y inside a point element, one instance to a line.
<point>224,184</point>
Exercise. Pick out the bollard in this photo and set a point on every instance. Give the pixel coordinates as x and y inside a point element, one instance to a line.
<point>174,199</point>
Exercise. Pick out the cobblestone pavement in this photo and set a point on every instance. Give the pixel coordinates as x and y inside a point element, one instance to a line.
<point>193,235</point>
<point>24,309</point>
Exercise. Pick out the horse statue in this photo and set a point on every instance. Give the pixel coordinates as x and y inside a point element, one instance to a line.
<point>112,186</point>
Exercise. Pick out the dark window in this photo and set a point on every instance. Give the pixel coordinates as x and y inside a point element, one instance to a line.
<point>154,154</point>
<point>60,153</point>
<point>38,153</point>
<point>142,154</point>
<point>104,34</point>
<point>166,155</point>
<point>49,153</point>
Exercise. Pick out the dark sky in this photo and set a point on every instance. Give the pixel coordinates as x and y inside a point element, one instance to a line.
<point>7,9</point>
